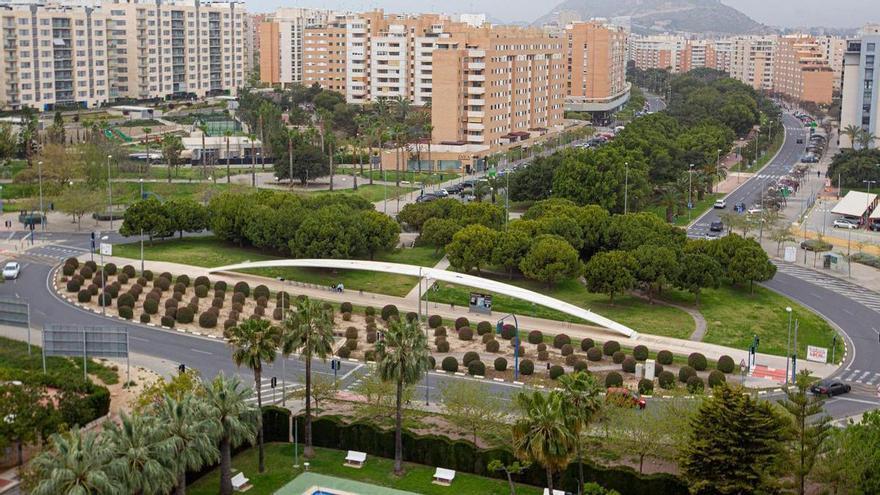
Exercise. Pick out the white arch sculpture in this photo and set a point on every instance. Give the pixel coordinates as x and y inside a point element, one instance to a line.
<point>442,275</point>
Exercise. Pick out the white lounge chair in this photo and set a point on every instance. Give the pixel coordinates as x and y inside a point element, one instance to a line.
<point>444,476</point>
<point>240,483</point>
<point>555,492</point>
<point>355,459</point>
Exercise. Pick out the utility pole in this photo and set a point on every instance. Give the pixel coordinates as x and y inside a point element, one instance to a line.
<point>625,187</point>
<point>788,353</point>
<point>110,191</point>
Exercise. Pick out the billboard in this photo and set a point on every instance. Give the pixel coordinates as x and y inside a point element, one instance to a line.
<point>79,341</point>
<point>480,303</point>
<point>817,354</point>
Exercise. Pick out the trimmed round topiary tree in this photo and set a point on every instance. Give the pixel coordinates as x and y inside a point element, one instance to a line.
<point>126,312</point>
<point>167,321</point>
<point>618,357</point>
<point>665,357</point>
<point>449,364</point>
<point>716,378</point>
<point>68,270</point>
<point>345,307</point>
<point>84,295</point>
<point>412,316</point>
<point>91,265</point>
<point>442,346</point>
<point>646,387</point>
<point>566,350</point>
<point>434,321</point>
<point>725,364</point>
<point>587,344</point>
<point>580,365</point>
<point>242,288</point>
<point>221,286</point>
<point>261,291</point>
<point>640,352</point>
<point>556,371</point>
<point>695,385</point>
<point>488,337</point>
<point>151,306</point>
<point>183,279</point>
<point>162,283</point>
<point>73,285</point>
<point>543,355</point>
<point>110,268</point>
<point>461,321</point>
<point>145,318</point>
<point>594,354</point>
<point>666,379</point>
<point>369,311</point>
<point>500,364</point>
<point>468,357</point>
<point>493,346</point>
<point>440,332</point>
<point>105,299</point>
<point>125,300</point>
<point>184,315</point>
<point>698,361</point>
<point>148,275</point>
<point>465,333</point>
<point>86,272</point>
<point>629,364</point>
<point>202,281</point>
<point>208,319</point>
<point>535,337</point>
<point>613,379</point>
<point>560,340</point>
<point>526,367</point>
<point>201,291</point>
<point>508,332</point>
<point>388,311</point>
<point>351,333</point>
<point>344,352</point>
<point>351,344</point>
<point>484,327</point>
<point>610,347</point>
<point>685,373</point>
<point>72,261</point>
<point>476,368</point>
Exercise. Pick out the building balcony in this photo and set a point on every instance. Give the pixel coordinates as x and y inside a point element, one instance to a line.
<point>476,66</point>
<point>478,115</point>
<point>476,53</point>
<point>476,77</point>
<point>471,138</point>
<point>474,126</point>
<point>476,90</point>
<point>475,102</point>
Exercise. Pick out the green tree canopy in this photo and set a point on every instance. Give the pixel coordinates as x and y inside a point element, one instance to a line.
<point>549,260</point>
<point>611,272</point>
<point>472,247</point>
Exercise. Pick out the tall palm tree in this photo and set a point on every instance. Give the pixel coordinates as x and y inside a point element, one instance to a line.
<point>865,139</point>
<point>403,358</point>
<point>76,462</point>
<point>187,428</point>
<point>228,134</point>
<point>141,455</point>
<point>254,342</point>
<point>580,396</point>
<point>233,421</point>
<point>308,330</point>
<point>670,198</point>
<point>851,131</point>
<point>541,434</point>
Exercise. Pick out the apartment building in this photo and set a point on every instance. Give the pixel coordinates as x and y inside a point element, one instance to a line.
<point>860,84</point>
<point>719,54</point>
<point>53,56</point>
<point>282,40</point>
<point>801,71</point>
<point>752,61</point>
<point>326,55</point>
<point>834,48</point>
<point>595,59</point>
<point>657,52</point>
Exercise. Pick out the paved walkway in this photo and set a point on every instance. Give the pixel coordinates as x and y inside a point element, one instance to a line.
<point>426,283</point>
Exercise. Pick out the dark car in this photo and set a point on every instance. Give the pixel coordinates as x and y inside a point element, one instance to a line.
<point>454,189</point>
<point>875,226</point>
<point>800,140</point>
<point>830,388</point>
<point>739,207</point>
<point>716,226</point>
<point>424,198</point>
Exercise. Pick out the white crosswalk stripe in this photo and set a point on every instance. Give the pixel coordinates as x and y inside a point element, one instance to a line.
<point>858,293</point>
<point>55,251</point>
<point>273,395</point>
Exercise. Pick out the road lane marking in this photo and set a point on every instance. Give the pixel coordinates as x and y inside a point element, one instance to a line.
<point>138,338</point>
<point>201,351</point>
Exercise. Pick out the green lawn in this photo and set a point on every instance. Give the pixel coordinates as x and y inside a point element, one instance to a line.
<point>742,166</point>
<point>734,317</point>
<point>631,311</point>
<point>14,356</point>
<point>682,220</point>
<point>426,178</point>
<point>376,471</point>
<point>210,252</point>
<point>160,172</point>
<point>372,193</point>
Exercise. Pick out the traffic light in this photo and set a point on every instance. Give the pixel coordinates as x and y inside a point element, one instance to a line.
<point>274,381</point>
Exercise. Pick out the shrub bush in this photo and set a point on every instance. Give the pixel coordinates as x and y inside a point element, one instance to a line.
<point>122,278</point>
<point>646,387</point>
<point>468,357</point>
<point>388,311</point>
<point>442,346</point>
<point>179,287</point>
<point>142,281</point>
<point>640,352</point>
<point>238,298</point>
<point>262,301</point>
<point>613,379</point>
<point>73,285</point>
<point>449,363</point>
<point>560,340</point>
<point>84,296</point>
<point>217,302</point>
<point>171,311</point>
<point>716,378</point>
<point>541,347</point>
<point>484,327</point>
<point>629,364</point>
<point>488,337</point>
<point>369,311</point>
<point>526,367</point>
<point>145,318</point>
<point>370,355</point>
<point>125,300</point>
<point>126,312</point>
<point>242,288</point>
<point>220,285</point>
<point>571,359</point>
<point>148,275</point>
<point>170,303</point>
<point>371,336</point>
<point>465,333</point>
<point>201,291</point>
<point>346,316</point>
<point>493,346</point>
<point>110,268</point>
<point>508,332</point>
<point>535,337</point>
<point>412,316</point>
<point>725,364</point>
<point>282,299</point>
<point>666,380</point>
<point>237,307</point>
<point>543,356</point>
<point>183,279</point>
<point>151,306</point>
<point>68,270</point>
<point>434,321</point>
<point>580,365</point>
<point>91,265</point>
<point>594,354</point>
<point>697,361</point>
<point>208,319</point>
<point>105,299</point>
<point>665,357</point>
<point>202,281</point>
<point>461,321</point>
<point>72,261</point>
<point>351,333</point>
<point>98,279</point>
<point>93,289</point>
<point>229,323</point>
<point>685,373</point>
<point>618,357</point>
<point>610,347</point>
<point>566,350</point>
<point>86,272</point>
<point>658,368</point>
<point>113,290</point>
<point>556,371</point>
<point>476,368</point>
<point>261,291</point>
<point>184,315</point>
<point>259,311</point>
<point>344,352</point>
<point>162,284</point>
<point>695,385</point>
<point>352,344</point>
<point>587,344</point>
<point>277,314</point>
<point>440,332</point>
<point>167,321</point>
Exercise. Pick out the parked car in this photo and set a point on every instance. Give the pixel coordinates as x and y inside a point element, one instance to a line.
<point>720,204</point>
<point>739,207</point>
<point>830,387</point>
<point>11,270</point>
<point>875,226</point>
<point>810,158</point>
<point>845,223</point>
<point>454,189</point>
<point>716,226</point>
<point>755,210</point>
<point>800,140</point>
<point>624,397</point>
<point>442,193</point>
<point>425,198</point>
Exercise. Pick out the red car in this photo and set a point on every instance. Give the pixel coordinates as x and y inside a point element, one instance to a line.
<point>624,397</point>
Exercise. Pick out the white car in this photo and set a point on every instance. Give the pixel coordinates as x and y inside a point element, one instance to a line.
<point>720,204</point>
<point>11,270</point>
<point>755,210</point>
<point>840,223</point>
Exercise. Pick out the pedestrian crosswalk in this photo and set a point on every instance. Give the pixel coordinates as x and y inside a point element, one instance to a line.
<point>55,251</point>
<point>860,376</point>
<point>274,395</point>
<point>866,297</point>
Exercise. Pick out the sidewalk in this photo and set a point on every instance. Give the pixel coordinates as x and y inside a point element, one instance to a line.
<point>450,312</point>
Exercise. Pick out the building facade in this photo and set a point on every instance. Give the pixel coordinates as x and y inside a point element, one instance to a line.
<point>861,80</point>
<point>801,70</point>
<point>282,39</point>
<point>752,61</point>
<point>595,60</point>
<point>657,52</point>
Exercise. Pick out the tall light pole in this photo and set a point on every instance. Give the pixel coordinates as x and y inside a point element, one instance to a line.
<point>625,187</point>
<point>718,170</point>
<point>690,203</point>
<point>42,211</point>
<point>788,352</point>
<point>110,191</point>
<point>142,228</point>
<point>103,279</point>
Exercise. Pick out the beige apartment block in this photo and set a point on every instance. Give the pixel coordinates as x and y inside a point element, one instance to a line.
<point>834,48</point>
<point>53,56</point>
<point>801,71</point>
<point>595,57</point>
<point>752,61</point>
<point>282,40</point>
<point>657,52</point>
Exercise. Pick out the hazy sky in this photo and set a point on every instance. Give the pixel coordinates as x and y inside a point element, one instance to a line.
<point>784,13</point>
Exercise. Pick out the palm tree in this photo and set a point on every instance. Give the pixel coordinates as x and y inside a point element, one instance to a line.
<point>228,134</point>
<point>851,131</point>
<point>541,434</point>
<point>254,342</point>
<point>580,393</point>
<point>233,421</point>
<point>670,198</point>
<point>141,456</point>
<point>187,428</point>
<point>865,139</point>
<point>76,462</point>
<point>308,329</point>
<point>402,358</point>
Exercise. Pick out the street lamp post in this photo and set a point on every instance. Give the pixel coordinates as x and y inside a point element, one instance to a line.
<point>40,180</point>
<point>690,203</point>
<point>788,352</point>
<point>142,229</point>
<point>110,191</point>
<point>103,279</point>
<point>625,187</point>
<point>718,170</point>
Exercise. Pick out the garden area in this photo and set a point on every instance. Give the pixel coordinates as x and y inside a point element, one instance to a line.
<point>372,193</point>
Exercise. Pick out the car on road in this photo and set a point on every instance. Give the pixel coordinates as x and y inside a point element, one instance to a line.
<point>716,226</point>
<point>624,397</point>
<point>425,198</point>
<point>720,204</point>
<point>800,140</point>
<point>755,210</point>
<point>454,189</point>
<point>442,193</point>
<point>11,270</point>
<point>830,387</point>
<point>845,223</point>
<point>809,158</point>
<point>740,207</point>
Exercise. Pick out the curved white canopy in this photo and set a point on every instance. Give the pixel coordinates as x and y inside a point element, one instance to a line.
<point>442,275</point>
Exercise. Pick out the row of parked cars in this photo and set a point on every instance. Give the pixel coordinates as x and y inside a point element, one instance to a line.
<point>814,149</point>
